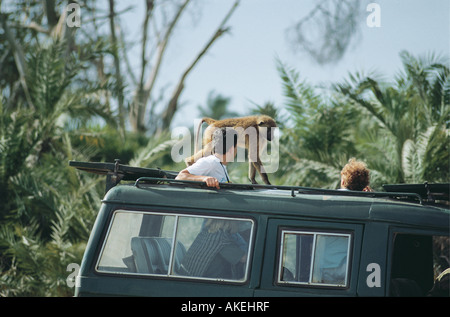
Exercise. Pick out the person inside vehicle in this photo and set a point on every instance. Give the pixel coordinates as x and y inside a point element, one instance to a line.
<point>212,169</point>
<point>355,176</point>
<point>215,252</point>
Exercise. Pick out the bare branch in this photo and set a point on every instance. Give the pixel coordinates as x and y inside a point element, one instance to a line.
<point>49,7</point>
<point>173,103</point>
<point>118,74</point>
<point>143,91</point>
<point>161,49</point>
<point>32,26</point>
<point>148,13</point>
<point>126,59</point>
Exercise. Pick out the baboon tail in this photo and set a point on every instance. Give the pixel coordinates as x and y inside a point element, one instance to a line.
<point>209,121</point>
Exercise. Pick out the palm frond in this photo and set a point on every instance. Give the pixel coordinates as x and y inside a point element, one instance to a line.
<point>299,94</point>
<point>156,148</point>
<point>420,157</point>
<point>310,173</point>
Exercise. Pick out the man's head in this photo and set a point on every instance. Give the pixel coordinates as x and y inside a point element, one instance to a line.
<point>223,140</point>
<point>355,175</point>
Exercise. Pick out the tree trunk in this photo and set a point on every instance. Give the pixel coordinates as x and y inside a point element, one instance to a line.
<point>119,82</point>
<point>172,107</point>
<point>143,91</point>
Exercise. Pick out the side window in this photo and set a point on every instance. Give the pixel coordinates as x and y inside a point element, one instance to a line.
<point>205,247</point>
<point>314,258</point>
<point>216,248</point>
<point>128,247</point>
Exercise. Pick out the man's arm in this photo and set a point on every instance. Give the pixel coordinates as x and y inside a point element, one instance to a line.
<point>209,180</point>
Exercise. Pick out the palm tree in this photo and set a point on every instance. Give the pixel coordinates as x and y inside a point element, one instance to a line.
<point>317,139</point>
<point>46,209</point>
<point>400,129</point>
<point>407,138</point>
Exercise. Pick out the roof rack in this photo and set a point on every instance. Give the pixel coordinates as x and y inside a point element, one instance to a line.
<point>293,189</point>
<point>431,193</point>
<point>116,172</point>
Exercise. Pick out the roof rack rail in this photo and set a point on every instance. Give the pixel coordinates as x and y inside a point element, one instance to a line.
<point>292,189</point>
<point>430,193</point>
<point>116,172</point>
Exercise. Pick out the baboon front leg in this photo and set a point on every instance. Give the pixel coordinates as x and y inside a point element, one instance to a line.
<point>260,168</point>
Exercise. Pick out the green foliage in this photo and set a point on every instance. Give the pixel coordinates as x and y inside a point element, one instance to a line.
<point>406,139</point>
<point>156,153</point>
<point>53,211</point>
<point>317,139</point>
<point>400,129</point>
<point>55,113</point>
<point>47,209</point>
<point>105,144</point>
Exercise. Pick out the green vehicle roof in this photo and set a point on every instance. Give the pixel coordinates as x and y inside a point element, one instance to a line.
<point>413,204</point>
<point>340,205</point>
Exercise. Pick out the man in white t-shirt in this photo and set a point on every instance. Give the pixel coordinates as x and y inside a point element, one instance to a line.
<point>212,169</point>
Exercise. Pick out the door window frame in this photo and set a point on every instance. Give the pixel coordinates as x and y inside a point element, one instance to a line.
<point>177,215</point>
<point>314,234</point>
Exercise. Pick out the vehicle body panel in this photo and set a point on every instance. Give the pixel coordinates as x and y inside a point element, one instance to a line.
<point>371,222</point>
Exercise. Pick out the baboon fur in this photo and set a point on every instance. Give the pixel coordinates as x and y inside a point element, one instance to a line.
<point>239,124</point>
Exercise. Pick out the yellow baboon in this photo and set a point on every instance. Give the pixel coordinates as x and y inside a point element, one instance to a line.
<point>252,131</point>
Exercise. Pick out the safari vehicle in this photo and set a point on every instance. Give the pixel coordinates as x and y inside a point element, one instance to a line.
<point>287,240</point>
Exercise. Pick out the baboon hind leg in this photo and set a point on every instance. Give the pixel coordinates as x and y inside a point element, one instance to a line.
<point>260,168</point>
<point>255,164</point>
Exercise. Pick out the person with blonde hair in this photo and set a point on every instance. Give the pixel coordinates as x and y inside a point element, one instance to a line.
<point>355,176</point>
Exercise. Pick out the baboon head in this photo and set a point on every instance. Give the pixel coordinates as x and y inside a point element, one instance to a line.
<point>268,123</point>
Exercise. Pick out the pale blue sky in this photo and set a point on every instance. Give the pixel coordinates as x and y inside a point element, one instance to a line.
<point>241,65</point>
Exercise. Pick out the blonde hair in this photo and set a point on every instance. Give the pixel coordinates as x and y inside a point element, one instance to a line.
<point>355,175</point>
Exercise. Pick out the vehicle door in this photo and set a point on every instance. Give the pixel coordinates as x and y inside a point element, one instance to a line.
<point>310,258</point>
